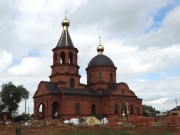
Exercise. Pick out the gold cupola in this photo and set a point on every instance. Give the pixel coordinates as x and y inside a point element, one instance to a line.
<point>65,22</point>
<point>100,48</point>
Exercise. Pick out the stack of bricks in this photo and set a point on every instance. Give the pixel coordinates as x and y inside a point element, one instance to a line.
<point>141,121</point>
<point>112,121</point>
<point>5,116</point>
<point>171,120</point>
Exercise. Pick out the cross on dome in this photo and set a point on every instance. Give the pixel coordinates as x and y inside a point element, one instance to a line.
<point>65,12</point>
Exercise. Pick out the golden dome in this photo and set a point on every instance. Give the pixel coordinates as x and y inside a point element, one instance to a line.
<point>65,23</point>
<point>100,49</point>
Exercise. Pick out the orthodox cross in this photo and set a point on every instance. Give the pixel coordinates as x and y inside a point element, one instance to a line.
<point>65,13</point>
<point>100,40</point>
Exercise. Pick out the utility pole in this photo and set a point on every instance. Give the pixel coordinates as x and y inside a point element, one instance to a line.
<point>28,112</point>
<point>176,103</point>
<point>25,106</point>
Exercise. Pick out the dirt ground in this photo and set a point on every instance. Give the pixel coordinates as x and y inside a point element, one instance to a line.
<point>58,130</point>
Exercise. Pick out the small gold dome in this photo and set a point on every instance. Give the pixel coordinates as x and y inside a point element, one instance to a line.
<point>100,49</point>
<point>65,23</point>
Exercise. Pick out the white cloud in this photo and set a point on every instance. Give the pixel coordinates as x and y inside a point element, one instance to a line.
<point>166,35</point>
<point>5,61</point>
<point>118,16</point>
<point>30,30</point>
<point>159,93</point>
<point>133,61</point>
<point>28,66</point>
<point>158,101</point>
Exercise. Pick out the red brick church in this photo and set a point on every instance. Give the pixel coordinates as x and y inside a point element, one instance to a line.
<point>65,97</point>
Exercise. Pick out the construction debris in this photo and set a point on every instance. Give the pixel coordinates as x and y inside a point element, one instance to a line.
<point>90,120</point>
<point>73,121</point>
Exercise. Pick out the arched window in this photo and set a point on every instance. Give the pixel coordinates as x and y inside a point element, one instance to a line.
<point>71,82</point>
<point>122,91</point>
<point>89,78</point>
<point>123,109</point>
<point>138,111</point>
<point>93,108</point>
<point>62,58</point>
<point>100,77</point>
<point>131,109</point>
<point>111,77</point>
<point>71,58</point>
<point>77,108</point>
<point>55,58</point>
<point>115,108</point>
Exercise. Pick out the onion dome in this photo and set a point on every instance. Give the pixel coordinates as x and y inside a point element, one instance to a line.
<point>100,59</point>
<point>65,23</point>
<point>100,49</point>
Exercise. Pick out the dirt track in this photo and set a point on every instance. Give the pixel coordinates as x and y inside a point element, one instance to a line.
<point>50,130</point>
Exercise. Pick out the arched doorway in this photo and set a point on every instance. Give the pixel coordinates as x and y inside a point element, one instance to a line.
<point>93,108</point>
<point>55,110</point>
<point>41,111</point>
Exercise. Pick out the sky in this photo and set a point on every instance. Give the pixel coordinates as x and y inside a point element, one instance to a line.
<point>140,36</point>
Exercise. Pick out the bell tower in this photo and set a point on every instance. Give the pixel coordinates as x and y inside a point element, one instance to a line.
<point>65,71</point>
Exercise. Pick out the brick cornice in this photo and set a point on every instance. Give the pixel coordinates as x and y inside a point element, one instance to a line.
<point>65,65</point>
<point>66,74</point>
<point>66,48</point>
<point>101,67</point>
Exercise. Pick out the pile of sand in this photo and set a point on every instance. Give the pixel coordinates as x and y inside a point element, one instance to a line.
<point>92,121</point>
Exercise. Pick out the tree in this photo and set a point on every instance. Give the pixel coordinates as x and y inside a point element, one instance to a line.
<point>12,95</point>
<point>150,109</point>
<point>1,107</point>
<point>25,116</point>
<point>147,107</point>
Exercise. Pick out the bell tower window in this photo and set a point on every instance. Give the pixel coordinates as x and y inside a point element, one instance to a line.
<point>62,58</point>
<point>70,58</point>
<point>55,58</point>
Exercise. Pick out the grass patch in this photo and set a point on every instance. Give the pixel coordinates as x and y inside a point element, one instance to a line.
<point>165,134</point>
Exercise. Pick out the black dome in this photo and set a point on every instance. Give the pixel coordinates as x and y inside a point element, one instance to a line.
<point>100,60</point>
